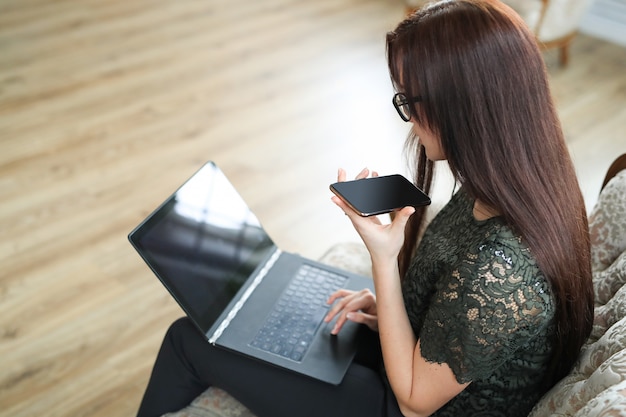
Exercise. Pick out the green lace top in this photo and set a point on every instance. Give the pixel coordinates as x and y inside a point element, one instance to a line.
<point>478,302</point>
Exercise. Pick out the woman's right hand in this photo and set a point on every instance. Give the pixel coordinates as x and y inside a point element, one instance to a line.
<point>383,241</point>
<point>356,306</point>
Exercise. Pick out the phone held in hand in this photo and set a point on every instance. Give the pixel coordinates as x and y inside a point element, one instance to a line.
<point>379,195</point>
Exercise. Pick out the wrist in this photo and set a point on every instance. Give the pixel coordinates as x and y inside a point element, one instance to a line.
<point>385,266</point>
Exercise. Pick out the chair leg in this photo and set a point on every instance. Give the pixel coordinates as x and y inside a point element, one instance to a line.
<point>562,44</point>
<point>564,55</point>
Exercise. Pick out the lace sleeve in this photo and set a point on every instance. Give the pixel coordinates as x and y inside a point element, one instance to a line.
<point>493,302</point>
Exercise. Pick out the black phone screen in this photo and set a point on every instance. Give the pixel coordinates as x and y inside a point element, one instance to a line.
<point>378,195</point>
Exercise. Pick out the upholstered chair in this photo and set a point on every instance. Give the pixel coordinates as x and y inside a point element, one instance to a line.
<point>554,22</point>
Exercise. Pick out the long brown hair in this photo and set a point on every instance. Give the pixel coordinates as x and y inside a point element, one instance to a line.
<point>484,91</point>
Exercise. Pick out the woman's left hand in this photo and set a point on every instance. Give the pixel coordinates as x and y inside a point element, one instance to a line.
<point>383,241</point>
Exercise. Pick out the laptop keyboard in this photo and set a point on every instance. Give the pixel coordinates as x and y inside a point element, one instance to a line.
<point>290,326</point>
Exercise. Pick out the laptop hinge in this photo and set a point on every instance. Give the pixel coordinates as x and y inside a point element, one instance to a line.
<point>239,304</point>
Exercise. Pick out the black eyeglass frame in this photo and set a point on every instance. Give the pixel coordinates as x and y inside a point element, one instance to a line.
<point>400,101</point>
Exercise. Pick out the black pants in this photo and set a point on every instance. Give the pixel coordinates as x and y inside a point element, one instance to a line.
<point>187,365</point>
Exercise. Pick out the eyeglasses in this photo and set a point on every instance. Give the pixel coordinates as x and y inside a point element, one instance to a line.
<point>403,105</point>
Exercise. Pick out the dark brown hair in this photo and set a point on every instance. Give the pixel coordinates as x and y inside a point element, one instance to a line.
<point>484,92</point>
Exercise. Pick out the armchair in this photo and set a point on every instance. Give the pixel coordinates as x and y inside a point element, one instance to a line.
<point>554,22</point>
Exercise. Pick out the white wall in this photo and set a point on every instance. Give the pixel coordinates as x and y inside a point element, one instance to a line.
<point>606,19</point>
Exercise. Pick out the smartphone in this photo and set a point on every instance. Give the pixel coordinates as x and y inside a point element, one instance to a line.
<point>379,195</point>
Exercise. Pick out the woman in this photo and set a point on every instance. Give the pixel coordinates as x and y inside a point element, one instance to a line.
<point>493,305</point>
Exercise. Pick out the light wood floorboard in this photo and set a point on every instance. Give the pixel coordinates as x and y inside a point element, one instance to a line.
<point>107,106</point>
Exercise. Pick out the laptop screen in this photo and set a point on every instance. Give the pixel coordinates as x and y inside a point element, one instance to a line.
<point>203,243</point>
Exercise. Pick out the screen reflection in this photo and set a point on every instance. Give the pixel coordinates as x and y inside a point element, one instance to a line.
<point>204,242</point>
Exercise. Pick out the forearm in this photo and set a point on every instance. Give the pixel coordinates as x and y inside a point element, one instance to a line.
<point>420,387</point>
<point>396,334</point>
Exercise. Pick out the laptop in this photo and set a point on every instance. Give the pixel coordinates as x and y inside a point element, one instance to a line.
<point>240,290</point>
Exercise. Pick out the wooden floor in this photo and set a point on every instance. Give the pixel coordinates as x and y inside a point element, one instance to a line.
<point>107,106</point>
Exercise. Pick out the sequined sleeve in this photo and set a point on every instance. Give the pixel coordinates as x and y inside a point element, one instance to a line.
<point>492,302</point>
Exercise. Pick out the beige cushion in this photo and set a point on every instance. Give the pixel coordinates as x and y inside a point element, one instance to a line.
<point>213,402</point>
<point>597,384</point>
